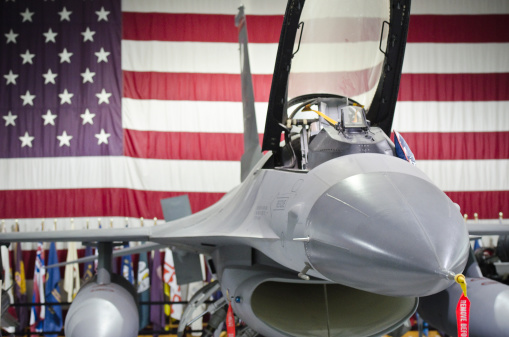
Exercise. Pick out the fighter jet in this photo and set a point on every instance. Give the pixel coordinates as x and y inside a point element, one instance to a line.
<point>330,233</point>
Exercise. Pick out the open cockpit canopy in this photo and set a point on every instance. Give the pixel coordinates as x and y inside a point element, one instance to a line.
<point>350,52</point>
<point>337,49</point>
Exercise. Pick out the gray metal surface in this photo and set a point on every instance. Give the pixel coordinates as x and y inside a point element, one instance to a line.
<point>102,310</point>
<point>488,227</point>
<point>85,235</point>
<point>329,144</point>
<point>252,149</point>
<point>409,240</point>
<point>489,308</point>
<point>187,264</point>
<point>176,207</point>
<point>146,247</point>
<point>383,200</point>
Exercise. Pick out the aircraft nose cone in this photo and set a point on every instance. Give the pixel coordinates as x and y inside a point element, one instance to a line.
<point>387,232</point>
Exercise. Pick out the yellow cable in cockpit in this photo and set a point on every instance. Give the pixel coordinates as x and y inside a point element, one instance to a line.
<point>327,118</point>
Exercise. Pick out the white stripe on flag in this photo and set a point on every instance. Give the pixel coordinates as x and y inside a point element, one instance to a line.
<point>195,57</point>
<point>188,116</point>
<point>254,7</point>
<point>226,117</point>
<point>119,172</point>
<point>451,116</point>
<point>211,176</point>
<point>459,7</point>
<point>467,175</point>
<point>454,58</point>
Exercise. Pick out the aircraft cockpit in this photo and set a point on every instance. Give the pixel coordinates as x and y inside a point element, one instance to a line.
<point>338,62</point>
<point>326,126</point>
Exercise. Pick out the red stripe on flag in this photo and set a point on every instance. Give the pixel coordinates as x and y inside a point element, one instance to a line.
<point>198,27</point>
<point>220,28</point>
<point>341,30</point>
<point>226,87</point>
<point>458,28</point>
<point>458,145</point>
<point>183,145</point>
<point>94,202</point>
<point>266,28</point>
<point>454,87</point>
<point>487,204</point>
<point>192,86</point>
<point>230,146</point>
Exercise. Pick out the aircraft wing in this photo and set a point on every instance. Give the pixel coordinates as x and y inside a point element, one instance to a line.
<point>488,227</point>
<point>116,253</point>
<point>199,232</point>
<point>160,236</point>
<point>85,235</point>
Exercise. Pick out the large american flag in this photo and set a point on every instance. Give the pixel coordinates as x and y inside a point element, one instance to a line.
<point>110,106</point>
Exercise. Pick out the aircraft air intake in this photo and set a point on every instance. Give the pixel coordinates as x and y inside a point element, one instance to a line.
<point>276,303</point>
<point>313,309</point>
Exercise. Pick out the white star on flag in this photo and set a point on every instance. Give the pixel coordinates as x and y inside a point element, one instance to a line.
<point>49,118</point>
<point>104,97</point>
<point>65,56</point>
<point>65,97</point>
<point>49,77</point>
<point>88,76</point>
<point>64,139</point>
<point>9,119</point>
<point>26,140</point>
<point>11,77</point>
<point>88,35</point>
<point>27,98</point>
<point>65,15</point>
<point>50,36</point>
<point>102,14</point>
<point>102,138</point>
<point>27,57</point>
<point>11,37</point>
<point>102,55</point>
<point>87,117</point>
<point>27,15</point>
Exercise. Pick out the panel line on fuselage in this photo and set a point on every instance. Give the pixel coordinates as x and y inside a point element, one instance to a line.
<point>347,204</point>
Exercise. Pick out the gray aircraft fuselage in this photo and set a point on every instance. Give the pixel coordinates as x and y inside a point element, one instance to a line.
<point>369,221</point>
